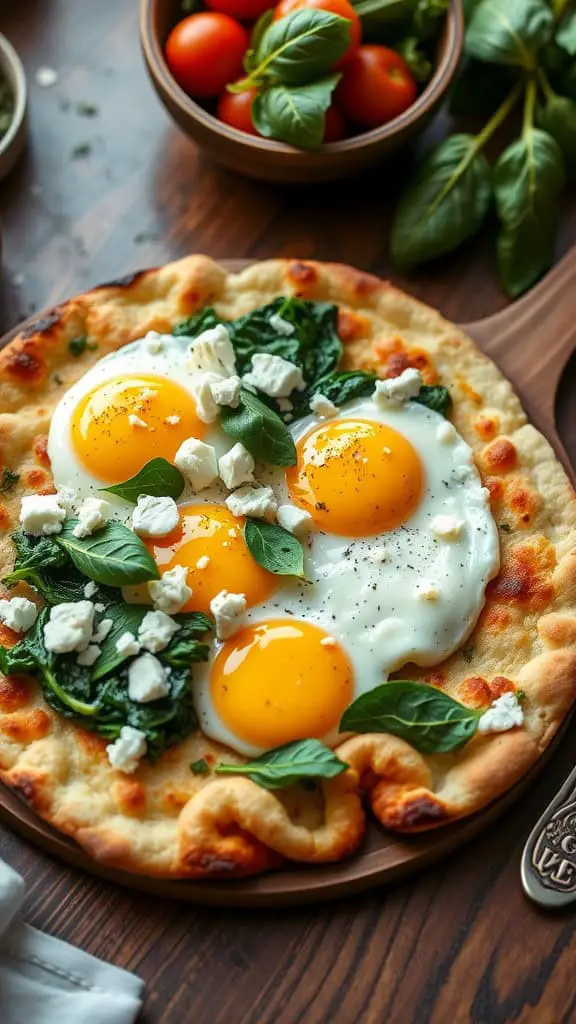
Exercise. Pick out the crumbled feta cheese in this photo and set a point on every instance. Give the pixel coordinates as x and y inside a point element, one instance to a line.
<point>274,376</point>
<point>156,631</point>
<point>136,421</point>
<point>172,421</point>
<point>228,611</point>
<point>69,627</point>
<point>18,613</point>
<point>427,591</point>
<point>328,641</point>
<point>281,326</point>
<point>447,527</point>
<point>67,498</point>
<point>127,644</point>
<point>259,502</point>
<point>226,391</point>
<point>323,407</point>
<point>504,713</point>
<point>203,562</point>
<point>46,77</point>
<point>236,466</point>
<point>41,514</point>
<point>89,656</point>
<point>125,753</point>
<point>285,405</point>
<point>200,386</point>
<point>379,554</point>
<point>90,589</point>
<point>147,679</point>
<point>295,520</point>
<point>445,432</point>
<point>212,351</point>
<point>197,463</point>
<point>99,607</point>
<point>102,630</point>
<point>153,342</point>
<point>397,390</point>
<point>154,517</point>
<point>171,591</point>
<point>92,515</point>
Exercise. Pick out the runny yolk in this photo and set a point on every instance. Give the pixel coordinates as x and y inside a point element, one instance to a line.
<point>124,422</point>
<point>356,477</point>
<point>210,542</point>
<point>275,681</point>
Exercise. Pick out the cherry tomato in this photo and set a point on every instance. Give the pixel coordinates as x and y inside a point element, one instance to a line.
<point>204,52</point>
<point>244,10</point>
<point>341,7</point>
<point>376,86</point>
<point>236,109</point>
<point>334,125</point>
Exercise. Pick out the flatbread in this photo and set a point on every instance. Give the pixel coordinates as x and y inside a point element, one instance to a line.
<point>166,821</point>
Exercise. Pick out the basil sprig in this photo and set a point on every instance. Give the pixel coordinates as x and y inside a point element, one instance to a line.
<point>294,114</point>
<point>114,555</point>
<point>158,478</point>
<point>283,766</point>
<point>260,430</point>
<point>274,548</point>
<point>430,720</point>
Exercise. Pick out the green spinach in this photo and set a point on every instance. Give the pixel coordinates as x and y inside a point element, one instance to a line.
<point>274,548</point>
<point>9,480</point>
<point>435,397</point>
<point>158,478</point>
<point>260,430</point>
<point>114,555</point>
<point>286,765</point>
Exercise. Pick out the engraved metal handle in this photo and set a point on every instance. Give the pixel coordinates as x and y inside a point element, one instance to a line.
<point>548,866</point>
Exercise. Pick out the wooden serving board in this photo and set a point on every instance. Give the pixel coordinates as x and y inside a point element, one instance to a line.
<point>531,341</point>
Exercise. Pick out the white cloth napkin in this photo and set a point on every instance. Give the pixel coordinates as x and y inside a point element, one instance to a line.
<point>45,981</point>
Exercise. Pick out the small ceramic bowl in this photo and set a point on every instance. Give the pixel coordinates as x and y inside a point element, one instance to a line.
<point>12,143</point>
<point>275,161</point>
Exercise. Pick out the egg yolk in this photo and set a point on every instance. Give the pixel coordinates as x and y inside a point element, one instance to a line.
<point>124,422</point>
<point>356,477</point>
<point>210,542</point>
<point>276,681</point>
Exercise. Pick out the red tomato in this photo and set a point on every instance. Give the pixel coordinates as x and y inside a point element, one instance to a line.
<point>244,10</point>
<point>334,125</point>
<point>235,109</point>
<point>341,7</point>
<point>204,52</point>
<point>376,86</point>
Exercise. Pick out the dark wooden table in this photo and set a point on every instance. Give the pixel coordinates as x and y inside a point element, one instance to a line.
<point>99,195</point>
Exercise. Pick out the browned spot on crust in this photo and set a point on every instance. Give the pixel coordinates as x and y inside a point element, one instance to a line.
<point>302,276</point>
<point>23,363</point>
<point>35,478</point>
<point>49,489</point>
<point>435,678</point>
<point>123,282</point>
<point>496,490</point>
<point>190,300</point>
<point>420,812</point>
<point>500,456</point>
<point>496,619</point>
<point>352,326</point>
<point>40,449</point>
<point>474,691</point>
<point>105,847</point>
<point>468,390</point>
<point>7,636</point>
<point>30,787</point>
<point>130,796</point>
<point>26,726</point>
<point>361,283</point>
<point>5,520</point>
<point>394,356</point>
<point>522,502</point>
<point>45,323</point>
<point>14,693</point>
<point>500,685</point>
<point>91,742</point>
<point>486,427</point>
<point>525,578</point>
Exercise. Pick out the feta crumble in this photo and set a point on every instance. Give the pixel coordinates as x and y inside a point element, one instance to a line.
<point>172,421</point>
<point>102,631</point>
<point>18,613</point>
<point>274,376</point>
<point>69,627</point>
<point>125,753</point>
<point>136,421</point>
<point>92,515</point>
<point>295,520</point>
<point>504,713</point>
<point>127,644</point>
<point>89,656</point>
<point>212,352</point>
<point>197,463</point>
<point>147,679</point>
<point>229,613</point>
<point>447,527</point>
<point>281,326</point>
<point>153,342</point>
<point>427,591</point>
<point>203,562</point>
<point>323,407</point>
<point>41,514</point>
<point>226,391</point>
<point>397,390</point>
<point>236,466</point>
<point>90,589</point>
<point>156,631</point>
<point>259,502</point>
<point>154,517</point>
<point>200,386</point>
<point>170,592</point>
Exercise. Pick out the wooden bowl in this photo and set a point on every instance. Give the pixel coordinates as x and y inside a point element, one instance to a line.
<point>12,143</point>
<point>275,161</point>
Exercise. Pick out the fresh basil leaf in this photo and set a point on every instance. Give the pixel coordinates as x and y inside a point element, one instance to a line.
<point>114,555</point>
<point>528,179</point>
<point>200,767</point>
<point>158,478</point>
<point>566,34</point>
<point>9,480</point>
<point>283,766</point>
<point>294,113</point>
<point>445,203</point>
<point>558,117</point>
<point>264,21</point>
<point>410,48</point>
<point>301,46</point>
<point>480,88</point>
<point>194,325</point>
<point>509,33</point>
<point>260,430</point>
<point>430,720</point>
<point>435,397</point>
<point>274,548</point>
<point>340,387</point>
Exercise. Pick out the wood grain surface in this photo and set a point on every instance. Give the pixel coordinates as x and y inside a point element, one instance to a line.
<point>99,195</point>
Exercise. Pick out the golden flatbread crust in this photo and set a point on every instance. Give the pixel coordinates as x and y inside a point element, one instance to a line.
<point>166,821</point>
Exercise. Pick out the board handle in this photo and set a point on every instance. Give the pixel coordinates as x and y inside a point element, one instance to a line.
<point>548,866</point>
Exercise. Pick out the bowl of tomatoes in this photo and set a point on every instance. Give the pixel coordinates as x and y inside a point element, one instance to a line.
<point>305,90</point>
